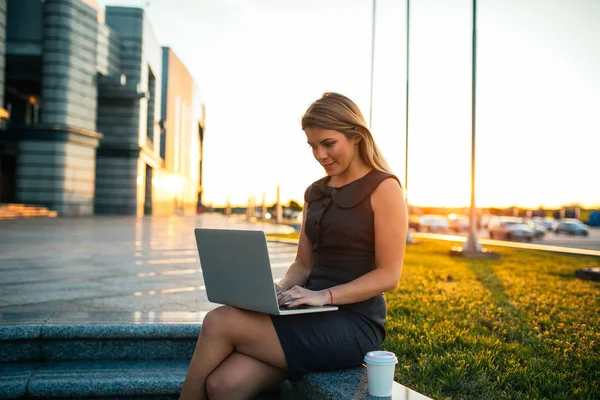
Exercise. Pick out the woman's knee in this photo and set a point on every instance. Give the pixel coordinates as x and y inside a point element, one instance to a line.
<point>220,385</point>
<point>218,321</point>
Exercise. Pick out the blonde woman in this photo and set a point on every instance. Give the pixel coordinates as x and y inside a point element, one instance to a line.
<point>351,250</point>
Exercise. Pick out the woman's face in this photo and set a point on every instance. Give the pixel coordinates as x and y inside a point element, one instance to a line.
<point>332,149</point>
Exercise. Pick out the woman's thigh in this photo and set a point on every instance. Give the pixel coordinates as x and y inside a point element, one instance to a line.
<point>249,332</point>
<point>242,377</point>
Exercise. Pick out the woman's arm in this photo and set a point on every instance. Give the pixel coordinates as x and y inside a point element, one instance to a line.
<point>297,274</point>
<point>391,225</point>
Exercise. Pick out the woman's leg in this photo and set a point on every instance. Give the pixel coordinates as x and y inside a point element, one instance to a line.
<point>224,330</point>
<point>242,377</point>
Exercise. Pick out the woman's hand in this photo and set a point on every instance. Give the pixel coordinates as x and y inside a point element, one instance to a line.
<point>279,289</point>
<point>298,296</point>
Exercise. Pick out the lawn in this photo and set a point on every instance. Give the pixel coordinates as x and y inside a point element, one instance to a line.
<point>521,327</point>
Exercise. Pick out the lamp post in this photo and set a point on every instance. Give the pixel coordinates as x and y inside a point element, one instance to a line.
<point>472,243</point>
<point>472,248</point>
<point>372,64</point>
<point>409,238</point>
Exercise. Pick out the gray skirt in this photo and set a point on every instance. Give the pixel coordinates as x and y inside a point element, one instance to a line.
<point>325,340</point>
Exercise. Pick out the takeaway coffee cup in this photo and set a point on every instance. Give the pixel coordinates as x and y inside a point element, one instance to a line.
<point>380,372</point>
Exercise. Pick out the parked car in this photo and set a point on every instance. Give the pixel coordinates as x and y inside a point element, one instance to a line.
<point>539,230</point>
<point>487,220</point>
<point>510,228</point>
<point>484,221</point>
<point>432,223</point>
<point>546,221</point>
<point>413,222</point>
<point>571,226</point>
<point>296,215</point>
<point>458,223</point>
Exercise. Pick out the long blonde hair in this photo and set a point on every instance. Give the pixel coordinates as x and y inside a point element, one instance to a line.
<point>337,112</point>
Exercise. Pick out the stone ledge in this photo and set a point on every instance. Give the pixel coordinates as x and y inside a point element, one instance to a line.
<point>108,378</point>
<point>100,325</point>
<point>350,384</point>
<point>14,380</point>
<point>164,378</point>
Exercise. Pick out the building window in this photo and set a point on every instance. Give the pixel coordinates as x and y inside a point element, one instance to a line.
<point>151,103</point>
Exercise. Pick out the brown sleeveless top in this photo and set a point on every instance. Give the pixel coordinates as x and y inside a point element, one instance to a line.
<point>339,225</point>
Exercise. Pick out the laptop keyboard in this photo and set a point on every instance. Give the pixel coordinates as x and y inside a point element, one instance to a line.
<point>301,307</point>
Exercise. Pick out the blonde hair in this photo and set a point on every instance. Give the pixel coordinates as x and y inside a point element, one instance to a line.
<point>337,112</point>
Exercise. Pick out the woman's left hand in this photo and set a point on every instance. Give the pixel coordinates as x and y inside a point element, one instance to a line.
<point>298,296</point>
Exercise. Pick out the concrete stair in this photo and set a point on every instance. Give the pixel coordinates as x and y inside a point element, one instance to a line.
<point>94,358</point>
<point>127,356</point>
<point>13,211</point>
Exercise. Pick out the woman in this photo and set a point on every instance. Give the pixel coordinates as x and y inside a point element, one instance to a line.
<point>350,251</point>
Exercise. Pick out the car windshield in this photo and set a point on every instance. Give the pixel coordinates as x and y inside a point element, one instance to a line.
<point>432,218</point>
<point>574,224</point>
<point>512,223</point>
<point>518,225</point>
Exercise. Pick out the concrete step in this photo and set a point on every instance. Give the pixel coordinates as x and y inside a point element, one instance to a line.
<point>101,341</point>
<point>94,379</point>
<point>96,356</point>
<point>129,356</point>
<point>12,211</point>
<point>139,380</point>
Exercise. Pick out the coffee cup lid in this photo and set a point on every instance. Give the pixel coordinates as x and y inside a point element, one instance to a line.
<point>381,358</point>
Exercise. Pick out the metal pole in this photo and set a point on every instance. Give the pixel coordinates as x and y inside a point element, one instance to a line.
<point>372,63</point>
<point>409,238</point>
<point>472,243</point>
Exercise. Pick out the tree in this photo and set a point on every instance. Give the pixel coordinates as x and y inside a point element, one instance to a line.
<point>294,205</point>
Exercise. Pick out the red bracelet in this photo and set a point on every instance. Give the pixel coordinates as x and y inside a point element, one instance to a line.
<point>330,296</point>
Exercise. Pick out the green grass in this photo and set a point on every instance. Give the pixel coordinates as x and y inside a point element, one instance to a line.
<point>521,327</point>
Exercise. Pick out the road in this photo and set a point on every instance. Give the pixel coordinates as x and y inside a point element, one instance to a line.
<point>591,242</point>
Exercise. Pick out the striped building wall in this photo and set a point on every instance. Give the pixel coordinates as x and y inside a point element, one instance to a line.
<point>56,163</point>
<point>57,173</point>
<point>130,145</point>
<point>69,89</point>
<point>108,54</point>
<point>118,120</point>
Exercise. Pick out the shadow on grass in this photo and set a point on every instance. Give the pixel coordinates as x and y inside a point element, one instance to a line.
<point>504,319</point>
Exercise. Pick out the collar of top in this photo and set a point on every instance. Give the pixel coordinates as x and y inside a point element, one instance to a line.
<point>346,196</point>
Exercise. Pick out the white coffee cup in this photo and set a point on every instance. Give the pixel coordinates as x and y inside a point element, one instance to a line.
<point>380,372</point>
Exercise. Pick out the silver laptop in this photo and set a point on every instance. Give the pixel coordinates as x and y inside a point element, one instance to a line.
<point>237,271</point>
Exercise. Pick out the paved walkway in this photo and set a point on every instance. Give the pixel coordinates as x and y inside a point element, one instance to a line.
<point>112,264</point>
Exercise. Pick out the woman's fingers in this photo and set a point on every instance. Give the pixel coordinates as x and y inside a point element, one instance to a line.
<point>278,289</point>
<point>293,294</point>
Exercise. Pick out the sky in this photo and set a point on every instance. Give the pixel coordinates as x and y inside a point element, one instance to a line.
<point>260,63</point>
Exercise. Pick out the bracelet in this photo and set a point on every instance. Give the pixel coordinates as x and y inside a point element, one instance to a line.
<point>330,296</point>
